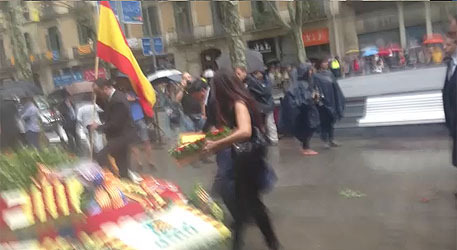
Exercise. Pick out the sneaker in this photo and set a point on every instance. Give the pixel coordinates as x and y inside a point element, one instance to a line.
<point>327,145</point>
<point>335,144</point>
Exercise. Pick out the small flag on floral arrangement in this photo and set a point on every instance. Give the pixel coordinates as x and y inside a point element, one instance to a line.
<point>190,148</point>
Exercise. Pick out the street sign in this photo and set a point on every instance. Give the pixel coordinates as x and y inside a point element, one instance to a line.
<point>158,45</point>
<point>131,12</point>
<point>147,46</point>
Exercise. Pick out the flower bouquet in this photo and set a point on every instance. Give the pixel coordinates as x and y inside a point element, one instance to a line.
<point>192,150</point>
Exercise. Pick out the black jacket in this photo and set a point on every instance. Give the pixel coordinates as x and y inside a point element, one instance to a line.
<point>118,120</point>
<point>331,94</point>
<point>450,109</point>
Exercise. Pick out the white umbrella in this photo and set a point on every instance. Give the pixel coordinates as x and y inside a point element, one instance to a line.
<point>172,74</point>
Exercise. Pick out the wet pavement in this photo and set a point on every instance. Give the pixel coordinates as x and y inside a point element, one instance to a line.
<point>409,185</point>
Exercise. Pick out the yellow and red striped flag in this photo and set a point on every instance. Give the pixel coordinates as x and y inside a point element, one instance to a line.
<point>113,48</point>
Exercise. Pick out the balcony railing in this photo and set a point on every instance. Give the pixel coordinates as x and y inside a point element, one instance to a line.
<point>83,51</point>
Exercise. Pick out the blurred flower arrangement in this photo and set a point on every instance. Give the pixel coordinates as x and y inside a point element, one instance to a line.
<point>17,168</point>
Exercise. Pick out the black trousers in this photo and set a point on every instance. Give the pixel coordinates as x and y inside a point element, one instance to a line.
<point>307,139</point>
<point>249,203</point>
<point>327,124</point>
<point>118,148</point>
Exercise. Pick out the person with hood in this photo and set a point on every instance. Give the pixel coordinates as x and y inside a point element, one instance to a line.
<point>299,113</point>
<point>260,89</point>
<point>331,104</point>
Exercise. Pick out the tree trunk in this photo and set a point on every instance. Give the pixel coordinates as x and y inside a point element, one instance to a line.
<point>298,38</point>
<point>15,21</point>
<point>231,23</point>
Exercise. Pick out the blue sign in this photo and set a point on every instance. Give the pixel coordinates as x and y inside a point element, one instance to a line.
<point>131,12</point>
<point>147,47</point>
<point>66,79</point>
<point>158,45</point>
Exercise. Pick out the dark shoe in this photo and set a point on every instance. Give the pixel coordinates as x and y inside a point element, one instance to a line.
<point>275,246</point>
<point>335,144</point>
<point>152,166</point>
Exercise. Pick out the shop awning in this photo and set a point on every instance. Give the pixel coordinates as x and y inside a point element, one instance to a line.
<point>433,39</point>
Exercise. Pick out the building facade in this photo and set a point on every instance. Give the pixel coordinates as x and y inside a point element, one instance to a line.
<point>60,36</point>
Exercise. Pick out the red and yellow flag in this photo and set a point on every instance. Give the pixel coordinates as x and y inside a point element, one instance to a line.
<point>113,48</point>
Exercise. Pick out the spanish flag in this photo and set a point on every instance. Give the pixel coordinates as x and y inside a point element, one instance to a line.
<point>113,48</point>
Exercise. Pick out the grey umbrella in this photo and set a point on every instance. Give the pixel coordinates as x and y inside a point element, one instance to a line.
<point>254,61</point>
<point>19,89</point>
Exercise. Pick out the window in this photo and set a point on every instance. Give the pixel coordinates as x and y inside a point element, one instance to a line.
<point>152,24</point>
<point>84,34</point>
<point>260,7</point>
<point>217,18</point>
<point>28,42</point>
<point>262,13</point>
<point>54,43</point>
<point>183,20</point>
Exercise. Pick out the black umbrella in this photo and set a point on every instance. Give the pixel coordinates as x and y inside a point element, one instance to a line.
<point>254,61</point>
<point>19,89</point>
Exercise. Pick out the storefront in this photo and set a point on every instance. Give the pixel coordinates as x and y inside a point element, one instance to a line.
<point>267,47</point>
<point>316,42</point>
<point>379,39</point>
<point>68,76</point>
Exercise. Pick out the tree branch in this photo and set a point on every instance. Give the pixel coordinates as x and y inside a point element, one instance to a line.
<point>299,13</point>
<point>277,14</point>
<point>291,9</point>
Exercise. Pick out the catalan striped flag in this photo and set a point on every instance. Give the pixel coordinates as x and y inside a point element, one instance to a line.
<point>113,48</point>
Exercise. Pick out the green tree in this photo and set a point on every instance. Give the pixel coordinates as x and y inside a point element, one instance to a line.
<point>231,22</point>
<point>14,20</point>
<point>300,12</point>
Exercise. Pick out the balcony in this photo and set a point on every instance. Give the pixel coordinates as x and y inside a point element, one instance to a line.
<point>83,52</point>
<point>49,58</point>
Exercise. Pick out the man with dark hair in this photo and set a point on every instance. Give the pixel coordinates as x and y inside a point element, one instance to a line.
<point>450,91</point>
<point>118,126</point>
<point>193,102</point>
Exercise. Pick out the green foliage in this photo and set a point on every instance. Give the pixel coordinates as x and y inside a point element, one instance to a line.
<point>18,167</point>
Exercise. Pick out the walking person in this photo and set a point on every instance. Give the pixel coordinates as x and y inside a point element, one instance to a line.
<point>299,112</point>
<point>332,104</point>
<point>261,89</point>
<point>9,130</point>
<point>118,127</point>
<point>193,104</point>
<point>68,113</point>
<point>336,67</point>
<point>30,118</point>
<point>450,92</point>
<point>139,120</point>
<point>236,109</point>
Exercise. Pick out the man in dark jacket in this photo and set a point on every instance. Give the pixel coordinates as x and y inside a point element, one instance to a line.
<point>450,92</point>
<point>118,127</point>
<point>260,88</point>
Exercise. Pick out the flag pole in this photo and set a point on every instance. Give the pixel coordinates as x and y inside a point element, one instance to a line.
<point>94,104</point>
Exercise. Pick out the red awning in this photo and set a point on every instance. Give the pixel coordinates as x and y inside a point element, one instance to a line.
<point>433,39</point>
